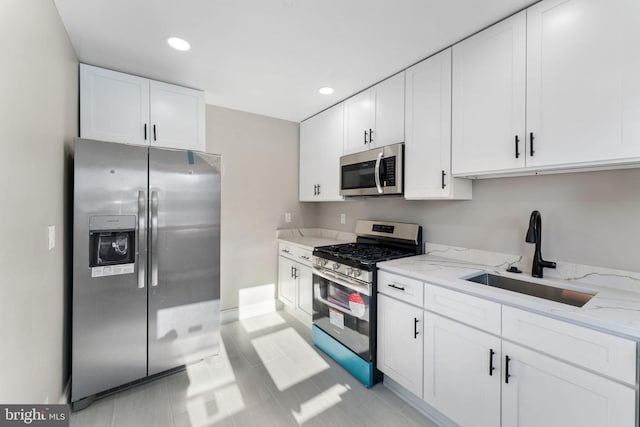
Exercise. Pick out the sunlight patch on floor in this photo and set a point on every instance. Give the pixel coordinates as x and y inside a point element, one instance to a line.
<point>288,358</point>
<point>258,301</point>
<point>264,321</point>
<point>228,401</point>
<point>210,374</point>
<point>320,403</point>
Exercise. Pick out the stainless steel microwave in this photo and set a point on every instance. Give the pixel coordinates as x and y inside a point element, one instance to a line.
<point>375,172</point>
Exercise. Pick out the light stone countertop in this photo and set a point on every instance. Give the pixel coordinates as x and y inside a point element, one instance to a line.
<point>615,308</point>
<point>310,238</point>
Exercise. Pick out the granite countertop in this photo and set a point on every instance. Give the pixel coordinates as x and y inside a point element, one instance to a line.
<point>313,237</point>
<point>615,308</point>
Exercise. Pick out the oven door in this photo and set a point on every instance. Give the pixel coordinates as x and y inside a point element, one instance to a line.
<point>341,308</point>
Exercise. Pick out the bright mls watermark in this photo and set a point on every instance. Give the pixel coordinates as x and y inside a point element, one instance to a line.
<point>34,415</point>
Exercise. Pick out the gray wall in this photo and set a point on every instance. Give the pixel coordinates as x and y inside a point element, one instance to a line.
<point>39,118</point>
<point>259,184</point>
<point>588,218</point>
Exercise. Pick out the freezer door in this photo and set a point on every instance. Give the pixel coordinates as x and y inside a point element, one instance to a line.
<point>109,311</point>
<point>184,244</point>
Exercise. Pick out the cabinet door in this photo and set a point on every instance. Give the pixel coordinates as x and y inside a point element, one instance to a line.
<point>358,122</point>
<point>305,290</point>
<point>320,150</point>
<point>400,342</point>
<point>428,131</point>
<point>388,102</point>
<point>545,392</point>
<point>583,91</point>
<point>177,117</point>
<point>458,380</point>
<point>113,106</point>
<point>287,281</point>
<point>489,99</point>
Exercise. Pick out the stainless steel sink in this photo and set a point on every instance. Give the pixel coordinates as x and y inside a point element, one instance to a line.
<point>564,296</point>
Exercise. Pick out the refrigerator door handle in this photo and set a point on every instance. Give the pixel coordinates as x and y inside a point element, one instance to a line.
<point>142,226</point>
<point>154,238</point>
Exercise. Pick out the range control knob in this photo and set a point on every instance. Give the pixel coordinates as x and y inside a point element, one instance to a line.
<point>321,262</point>
<point>336,266</point>
<point>349,271</point>
<point>356,273</point>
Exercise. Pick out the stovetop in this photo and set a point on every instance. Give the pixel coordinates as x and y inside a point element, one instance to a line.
<point>362,255</point>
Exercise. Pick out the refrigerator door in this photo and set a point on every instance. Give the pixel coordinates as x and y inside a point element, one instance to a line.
<point>184,287</point>
<point>109,318</point>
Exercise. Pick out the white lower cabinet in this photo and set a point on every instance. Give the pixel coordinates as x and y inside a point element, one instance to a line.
<point>461,372</point>
<point>295,281</point>
<point>400,342</point>
<point>480,363</point>
<point>304,300</point>
<point>287,281</point>
<point>546,392</point>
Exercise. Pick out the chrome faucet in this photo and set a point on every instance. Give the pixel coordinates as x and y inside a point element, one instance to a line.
<point>534,236</point>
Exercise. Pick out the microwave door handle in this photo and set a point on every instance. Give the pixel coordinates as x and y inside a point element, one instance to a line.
<point>377,172</point>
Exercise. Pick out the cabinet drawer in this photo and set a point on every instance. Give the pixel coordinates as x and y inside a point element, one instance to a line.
<point>607,354</point>
<point>400,287</point>
<point>473,311</point>
<point>295,253</point>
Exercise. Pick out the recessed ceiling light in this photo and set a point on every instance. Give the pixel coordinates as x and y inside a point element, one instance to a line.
<point>326,90</point>
<point>178,43</point>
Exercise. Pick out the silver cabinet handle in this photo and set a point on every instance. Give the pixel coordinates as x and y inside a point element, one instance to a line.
<point>305,257</point>
<point>377,172</point>
<point>142,238</point>
<point>286,251</point>
<point>154,238</point>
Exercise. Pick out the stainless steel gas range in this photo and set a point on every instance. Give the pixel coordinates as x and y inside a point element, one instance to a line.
<point>344,292</point>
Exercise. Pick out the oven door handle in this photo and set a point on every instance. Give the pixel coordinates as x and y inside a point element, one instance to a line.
<point>377,172</point>
<point>343,281</point>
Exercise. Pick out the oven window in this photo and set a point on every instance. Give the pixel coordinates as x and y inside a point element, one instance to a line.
<point>359,175</point>
<point>342,313</point>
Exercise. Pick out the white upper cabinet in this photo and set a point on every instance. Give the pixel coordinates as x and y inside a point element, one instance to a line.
<point>177,116</point>
<point>428,132</point>
<point>320,151</point>
<point>113,106</point>
<point>389,112</point>
<point>583,89</point>
<point>375,117</point>
<point>123,108</point>
<point>489,99</point>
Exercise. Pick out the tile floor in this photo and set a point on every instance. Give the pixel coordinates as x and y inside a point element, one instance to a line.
<point>267,374</point>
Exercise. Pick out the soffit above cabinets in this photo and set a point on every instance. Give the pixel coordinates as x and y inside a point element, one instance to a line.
<point>271,56</point>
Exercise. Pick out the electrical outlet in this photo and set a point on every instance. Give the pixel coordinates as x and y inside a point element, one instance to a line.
<point>52,236</point>
<point>343,218</point>
<point>287,217</point>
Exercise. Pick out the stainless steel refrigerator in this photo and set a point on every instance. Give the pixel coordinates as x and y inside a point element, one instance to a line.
<point>146,263</point>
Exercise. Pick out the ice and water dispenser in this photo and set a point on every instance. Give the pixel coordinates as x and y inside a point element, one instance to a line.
<point>112,244</point>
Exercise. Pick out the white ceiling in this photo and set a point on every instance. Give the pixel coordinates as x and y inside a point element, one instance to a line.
<point>270,56</point>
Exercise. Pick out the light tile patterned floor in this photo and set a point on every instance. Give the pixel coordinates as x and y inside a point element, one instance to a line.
<point>267,374</point>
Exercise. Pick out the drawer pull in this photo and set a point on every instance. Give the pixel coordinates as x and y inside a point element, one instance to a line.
<point>400,288</point>
<point>286,251</point>
<point>305,257</point>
